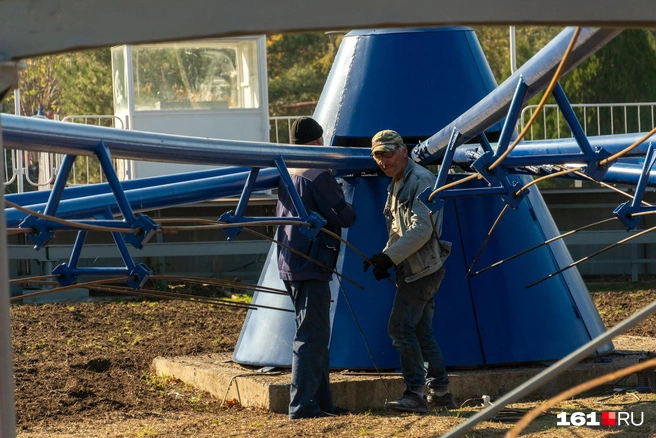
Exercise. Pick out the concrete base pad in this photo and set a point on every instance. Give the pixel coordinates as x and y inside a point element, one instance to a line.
<point>226,380</point>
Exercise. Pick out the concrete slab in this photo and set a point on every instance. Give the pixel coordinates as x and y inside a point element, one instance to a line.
<point>361,391</point>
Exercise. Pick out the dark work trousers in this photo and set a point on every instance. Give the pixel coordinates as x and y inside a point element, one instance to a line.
<point>411,329</point>
<point>310,389</point>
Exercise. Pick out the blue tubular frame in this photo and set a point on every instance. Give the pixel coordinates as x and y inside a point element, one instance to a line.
<point>310,222</point>
<point>42,229</point>
<point>625,211</point>
<point>537,72</point>
<point>497,178</point>
<point>437,202</point>
<point>228,217</point>
<point>41,233</point>
<point>593,169</point>
<point>68,273</point>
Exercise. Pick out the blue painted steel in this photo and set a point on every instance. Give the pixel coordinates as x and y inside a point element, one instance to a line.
<point>509,126</point>
<point>40,196</point>
<point>314,221</point>
<point>73,224</point>
<point>537,73</point>
<point>155,197</point>
<point>40,233</point>
<point>60,184</point>
<point>373,65</point>
<point>229,217</point>
<point>77,248</point>
<point>436,203</point>
<point>31,134</point>
<point>625,212</point>
<point>481,320</point>
<point>593,168</point>
<point>108,169</point>
<point>573,122</point>
<point>517,325</point>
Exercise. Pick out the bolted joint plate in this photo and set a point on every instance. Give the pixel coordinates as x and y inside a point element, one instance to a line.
<point>39,233</point>
<point>138,276</point>
<point>313,224</point>
<point>64,275</point>
<point>435,205</point>
<point>624,212</point>
<point>147,229</point>
<point>228,218</point>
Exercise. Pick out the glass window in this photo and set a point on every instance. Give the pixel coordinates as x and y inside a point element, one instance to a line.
<point>119,80</point>
<point>218,74</point>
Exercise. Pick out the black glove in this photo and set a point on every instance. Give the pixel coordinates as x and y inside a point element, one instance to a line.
<point>381,263</point>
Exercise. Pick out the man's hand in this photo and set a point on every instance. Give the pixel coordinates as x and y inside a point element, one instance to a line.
<point>381,263</point>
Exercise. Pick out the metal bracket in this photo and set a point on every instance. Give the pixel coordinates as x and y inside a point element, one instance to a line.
<point>626,211</point>
<point>593,169</point>
<point>67,273</point>
<point>497,178</point>
<point>238,216</point>
<point>437,202</point>
<point>310,222</point>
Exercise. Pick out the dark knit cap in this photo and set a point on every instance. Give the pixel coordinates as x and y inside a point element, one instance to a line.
<point>304,130</point>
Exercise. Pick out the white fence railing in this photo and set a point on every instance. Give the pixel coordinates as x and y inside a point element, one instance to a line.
<point>280,128</point>
<point>28,170</point>
<point>595,119</point>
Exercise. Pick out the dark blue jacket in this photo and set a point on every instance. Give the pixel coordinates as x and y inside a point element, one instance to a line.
<point>319,192</point>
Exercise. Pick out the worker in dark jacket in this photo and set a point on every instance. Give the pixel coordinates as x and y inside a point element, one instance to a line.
<point>308,282</point>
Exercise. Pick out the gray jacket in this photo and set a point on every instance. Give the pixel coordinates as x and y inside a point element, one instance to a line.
<point>417,247</point>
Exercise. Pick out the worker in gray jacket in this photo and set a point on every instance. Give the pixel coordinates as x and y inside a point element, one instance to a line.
<point>415,251</point>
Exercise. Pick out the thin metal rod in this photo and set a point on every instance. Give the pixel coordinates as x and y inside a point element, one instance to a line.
<point>571,265</point>
<point>487,238</point>
<point>86,285</point>
<point>187,297</point>
<point>295,251</point>
<point>366,344</point>
<point>551,373</point>
<point>578,389</point>
<point>221,282</point>
<point>546,242</point>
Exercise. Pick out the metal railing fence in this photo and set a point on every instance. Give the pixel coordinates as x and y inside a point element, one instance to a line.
<point>595,118</point>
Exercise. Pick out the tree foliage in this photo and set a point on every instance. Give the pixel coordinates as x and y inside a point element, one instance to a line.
<point>86,83</point>
<point>298,65</point>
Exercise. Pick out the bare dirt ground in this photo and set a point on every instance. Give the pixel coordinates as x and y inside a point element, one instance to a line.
<point>83,370</point>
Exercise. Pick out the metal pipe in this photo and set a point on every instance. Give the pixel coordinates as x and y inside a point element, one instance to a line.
<point>150,198</point>
<point>537,73</point>
<point>7,407</point>
<point>552,372</point>
<point>75,139</point>
<point>513,50</point>
<point>40,196</point>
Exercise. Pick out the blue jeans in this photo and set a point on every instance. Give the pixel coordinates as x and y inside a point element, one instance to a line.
<point>310,389</point>
<point>411,329</point>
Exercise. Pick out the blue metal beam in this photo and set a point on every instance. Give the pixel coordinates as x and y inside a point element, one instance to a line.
<point>32,134</point>
<point>150,198</point>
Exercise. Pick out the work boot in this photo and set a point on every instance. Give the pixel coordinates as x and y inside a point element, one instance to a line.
<point>446,400</point>
<point>339,411</point>
<point>409,402</point>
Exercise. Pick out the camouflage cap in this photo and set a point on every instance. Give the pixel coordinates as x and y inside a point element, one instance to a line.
<point>386,140</point>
